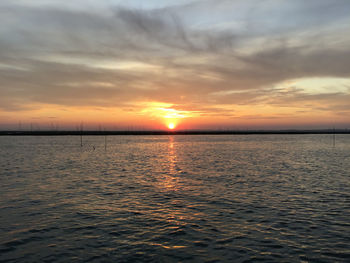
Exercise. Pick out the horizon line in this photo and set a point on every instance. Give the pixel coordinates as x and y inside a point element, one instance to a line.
<point>170,132</point>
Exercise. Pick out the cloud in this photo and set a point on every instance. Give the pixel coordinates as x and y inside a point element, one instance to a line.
<point>64,55</point>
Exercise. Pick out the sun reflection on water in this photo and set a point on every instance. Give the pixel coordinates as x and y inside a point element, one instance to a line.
<point>170,180</point>
<point>171,156</point>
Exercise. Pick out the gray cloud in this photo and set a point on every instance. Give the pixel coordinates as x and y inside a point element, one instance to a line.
<point>49,54</point>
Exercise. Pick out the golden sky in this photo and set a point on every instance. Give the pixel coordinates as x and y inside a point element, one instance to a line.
<point>196,64</point>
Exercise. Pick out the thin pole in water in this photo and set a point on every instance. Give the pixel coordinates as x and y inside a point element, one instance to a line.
<point>333,137</point>
<point>81,135</point>
<point>105,140</point>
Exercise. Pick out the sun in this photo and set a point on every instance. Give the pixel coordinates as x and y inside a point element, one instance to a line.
<point>171,126</point>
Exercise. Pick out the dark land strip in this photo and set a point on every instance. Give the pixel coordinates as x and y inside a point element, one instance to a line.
<point>179,132</point>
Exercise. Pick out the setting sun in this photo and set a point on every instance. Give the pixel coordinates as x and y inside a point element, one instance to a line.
<point>171,126</point>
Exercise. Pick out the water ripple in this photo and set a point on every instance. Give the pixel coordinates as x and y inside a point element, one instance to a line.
<point>282,198</point>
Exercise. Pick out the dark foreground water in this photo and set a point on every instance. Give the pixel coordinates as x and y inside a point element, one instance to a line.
<point>271,198</point>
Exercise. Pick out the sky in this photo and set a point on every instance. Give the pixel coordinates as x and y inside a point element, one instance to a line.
<point>205,64</point>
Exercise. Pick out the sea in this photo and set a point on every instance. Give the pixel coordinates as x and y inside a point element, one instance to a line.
<point>175,198</point>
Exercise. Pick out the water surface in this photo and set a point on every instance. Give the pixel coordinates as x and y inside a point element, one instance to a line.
<point>227,198</point>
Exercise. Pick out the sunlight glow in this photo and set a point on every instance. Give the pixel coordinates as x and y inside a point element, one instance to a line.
<point>172,113</point>
<point>166,114</point>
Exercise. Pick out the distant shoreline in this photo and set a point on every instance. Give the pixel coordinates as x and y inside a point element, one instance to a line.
<point>180,132</point>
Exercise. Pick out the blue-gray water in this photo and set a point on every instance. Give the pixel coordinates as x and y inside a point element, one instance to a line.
<point>272,198</point>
